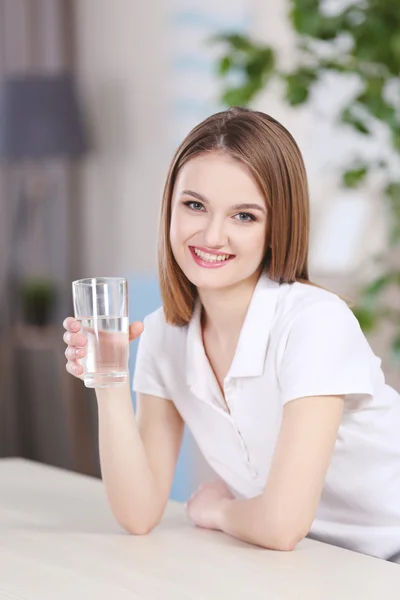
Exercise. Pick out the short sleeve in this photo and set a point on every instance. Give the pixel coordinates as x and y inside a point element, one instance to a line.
<point>326,354</point>
<point>147,378</point>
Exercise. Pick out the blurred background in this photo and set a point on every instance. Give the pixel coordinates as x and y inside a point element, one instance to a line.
<point>94,98</point>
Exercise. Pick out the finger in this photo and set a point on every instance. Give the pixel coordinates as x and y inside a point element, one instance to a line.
<point>71,324</point>
<point>74,339</point>
<point>74,368</point>
<point>135,329</point>
<point>72,353</point>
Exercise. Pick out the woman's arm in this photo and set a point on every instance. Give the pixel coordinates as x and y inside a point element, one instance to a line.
<point>282,515</point>
<point>138,456</point>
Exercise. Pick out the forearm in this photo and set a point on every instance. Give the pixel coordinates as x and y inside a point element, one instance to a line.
<point>250,521</point>
<point>129,482</point>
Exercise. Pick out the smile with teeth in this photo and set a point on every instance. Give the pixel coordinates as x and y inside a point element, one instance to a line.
<point>211,257</point>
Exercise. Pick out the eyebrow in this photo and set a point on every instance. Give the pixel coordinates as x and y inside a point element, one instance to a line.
<point>243,206</point>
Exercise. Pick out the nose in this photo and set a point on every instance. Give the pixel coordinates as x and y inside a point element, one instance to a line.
<point>214,235</point>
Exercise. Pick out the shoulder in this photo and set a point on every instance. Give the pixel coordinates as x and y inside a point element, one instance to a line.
<point>302,295</point>
<point>154,320</point>
<point>321,347</point>
<point>306,306</point>
<point>158,331</point>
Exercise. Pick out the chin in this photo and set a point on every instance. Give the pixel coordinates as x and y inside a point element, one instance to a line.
<point>206,279</point>
<point>213,280</point>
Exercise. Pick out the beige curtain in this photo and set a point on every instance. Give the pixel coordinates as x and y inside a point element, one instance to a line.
<point>44,414</point>
<point>35,36</point>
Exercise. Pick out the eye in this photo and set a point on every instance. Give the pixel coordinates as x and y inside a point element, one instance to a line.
<point>193,205</point>
<point>245,217</point>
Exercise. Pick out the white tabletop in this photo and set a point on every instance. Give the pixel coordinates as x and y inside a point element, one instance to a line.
<point>59,540</point>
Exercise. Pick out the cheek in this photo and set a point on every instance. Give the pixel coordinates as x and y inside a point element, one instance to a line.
<point>181,226</point>
<point>260,240</point>
<point>175,227</point>
<point>254,242</point>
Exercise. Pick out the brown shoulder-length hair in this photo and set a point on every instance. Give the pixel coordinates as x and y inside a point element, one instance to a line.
<point>275,161</point>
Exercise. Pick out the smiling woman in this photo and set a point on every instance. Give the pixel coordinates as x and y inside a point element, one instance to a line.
<point>233,162</point>
<point>272,374</point>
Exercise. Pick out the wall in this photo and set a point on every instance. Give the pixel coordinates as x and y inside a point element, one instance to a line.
<point>122,76</point>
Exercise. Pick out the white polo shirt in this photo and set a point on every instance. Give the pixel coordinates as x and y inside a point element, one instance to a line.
<point>297,340</point>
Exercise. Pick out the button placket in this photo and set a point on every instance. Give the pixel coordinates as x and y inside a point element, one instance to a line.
<point>228,393</point>
<point>229,388</point>
<point>249,466</point>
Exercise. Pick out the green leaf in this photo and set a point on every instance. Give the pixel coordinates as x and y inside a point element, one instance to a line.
<point>368,319</point>
<point>236,41</point>
<point>261,63</point>
<point>392,191</point>
<point>372,98</point>
<point>308,20</point>
<point>394,235</point>
<point>395,45</point>
<point>396,138</point>
<point>353,177</point>
<point>298,85</point>
<point>349,118</point>
<point>252,62</point>
<point>395,349</point>
<point>375,288</point>
<point>296,94</point>
<point>240,96</point>
<point>224,65</point>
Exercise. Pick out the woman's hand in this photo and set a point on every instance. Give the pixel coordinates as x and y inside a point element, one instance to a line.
<point>204,507</point>
<point>76,343</point>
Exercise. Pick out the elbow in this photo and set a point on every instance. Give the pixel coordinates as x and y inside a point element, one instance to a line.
<point>284,539</point>
<point>137,520</point>
<point>142,526</point>
<point>139,528</point>
<point>287,542</point>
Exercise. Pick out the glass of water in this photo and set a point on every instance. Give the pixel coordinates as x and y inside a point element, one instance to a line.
<point>101,306</point>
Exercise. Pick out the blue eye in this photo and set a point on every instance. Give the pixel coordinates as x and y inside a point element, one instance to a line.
<point>245,217</point>
<point>193,205</point>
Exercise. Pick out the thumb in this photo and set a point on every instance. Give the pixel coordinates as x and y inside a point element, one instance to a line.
<point>135,329</point>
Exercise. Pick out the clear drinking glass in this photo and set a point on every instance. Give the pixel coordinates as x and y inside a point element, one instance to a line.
<point>101,306</point>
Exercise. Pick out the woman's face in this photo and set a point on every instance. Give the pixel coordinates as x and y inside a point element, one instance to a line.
<point>218,221</point>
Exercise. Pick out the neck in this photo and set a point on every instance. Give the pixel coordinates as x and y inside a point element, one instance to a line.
<point>224,310</point>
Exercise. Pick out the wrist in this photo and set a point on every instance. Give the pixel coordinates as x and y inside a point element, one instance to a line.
<point>113,393</point>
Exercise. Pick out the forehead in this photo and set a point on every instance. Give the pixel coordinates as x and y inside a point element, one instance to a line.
<point>218,176</point>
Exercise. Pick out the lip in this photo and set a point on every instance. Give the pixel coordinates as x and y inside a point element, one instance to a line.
<point>210,265</point>
<point>214,252</point>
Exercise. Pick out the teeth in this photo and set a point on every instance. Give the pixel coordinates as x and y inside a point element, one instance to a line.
<point>211,257</point>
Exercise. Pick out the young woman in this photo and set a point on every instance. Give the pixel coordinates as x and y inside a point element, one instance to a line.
<point>271,373</point>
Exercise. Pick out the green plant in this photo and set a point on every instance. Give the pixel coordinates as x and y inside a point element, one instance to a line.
<point>37,299</point>
<point>361,40</point>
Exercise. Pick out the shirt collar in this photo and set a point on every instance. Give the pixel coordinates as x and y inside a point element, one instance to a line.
<point>251,350</point>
